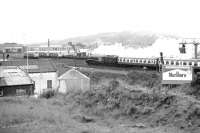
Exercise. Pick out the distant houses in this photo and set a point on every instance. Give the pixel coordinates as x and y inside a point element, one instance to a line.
<point>11,50</point>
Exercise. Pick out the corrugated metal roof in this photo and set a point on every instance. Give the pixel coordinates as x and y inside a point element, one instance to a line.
<point>35,65</point>
<point>73,74</point>
<point>14,76</point>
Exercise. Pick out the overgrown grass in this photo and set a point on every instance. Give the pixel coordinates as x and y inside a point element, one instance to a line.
<point>116,97</point>
<point>115,101</point>
<point>19,110</point>
<point>48,94</point>
<point>144,78</point>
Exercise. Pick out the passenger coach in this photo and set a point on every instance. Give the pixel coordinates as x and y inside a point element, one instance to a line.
<point>154,61</point>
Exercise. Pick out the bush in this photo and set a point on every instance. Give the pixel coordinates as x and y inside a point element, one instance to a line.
<point>193,89</point>
<point>114,84</point>
<point>113,100</point>
<point>48,94</point>
<point>146,79</point>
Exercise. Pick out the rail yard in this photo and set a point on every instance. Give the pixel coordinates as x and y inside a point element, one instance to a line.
<point>125,94</point>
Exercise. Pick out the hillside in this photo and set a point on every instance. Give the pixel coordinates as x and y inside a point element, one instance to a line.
<point>129,39</point>
<point>134,39</point>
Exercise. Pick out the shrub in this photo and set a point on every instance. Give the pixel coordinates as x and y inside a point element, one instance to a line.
<point>193,89</point>
<point>113,100</point>
<point>48,94</point>
<point>114,84</point>
<point>147,79</point>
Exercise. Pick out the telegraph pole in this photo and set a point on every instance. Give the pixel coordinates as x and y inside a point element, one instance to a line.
<point>195,50</point>
<point>48,42</point>
<point>4,51</point>
<point>27,67</point>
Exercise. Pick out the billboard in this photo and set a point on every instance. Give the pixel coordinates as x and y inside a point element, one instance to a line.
<point>177,74</point>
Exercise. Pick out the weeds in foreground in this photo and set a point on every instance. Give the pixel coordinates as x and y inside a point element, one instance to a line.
<point>113,100</point>
<point>143,78</point>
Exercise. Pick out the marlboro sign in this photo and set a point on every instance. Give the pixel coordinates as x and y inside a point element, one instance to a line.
<point>177,74</point>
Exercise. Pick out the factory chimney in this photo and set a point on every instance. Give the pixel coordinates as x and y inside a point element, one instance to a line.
<point>161,58</point>
<point>48,43</point>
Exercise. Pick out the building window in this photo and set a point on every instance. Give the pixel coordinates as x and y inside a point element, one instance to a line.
<point>1,92</point>
<point>49,84</point>
<point>20,92</point>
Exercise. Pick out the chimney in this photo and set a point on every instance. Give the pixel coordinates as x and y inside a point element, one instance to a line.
<point>48,43</point>
<point>161,57</point>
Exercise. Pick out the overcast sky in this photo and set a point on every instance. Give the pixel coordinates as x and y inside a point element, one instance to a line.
<point>29,21</point>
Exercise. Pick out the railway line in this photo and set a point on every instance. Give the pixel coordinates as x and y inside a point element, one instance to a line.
<point>71,56</point>
<point>65,63</point>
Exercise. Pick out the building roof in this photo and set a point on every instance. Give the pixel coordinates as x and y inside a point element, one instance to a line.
<point>73,74</point>
<point>10,45</point>
<point>34,65</point>
<point>62,70</point>
<point>14,76</point>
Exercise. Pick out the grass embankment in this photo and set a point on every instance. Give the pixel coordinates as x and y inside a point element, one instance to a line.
<point>115,106</point>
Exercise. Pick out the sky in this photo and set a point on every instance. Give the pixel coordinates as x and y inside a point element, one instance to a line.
<point>31,21</point>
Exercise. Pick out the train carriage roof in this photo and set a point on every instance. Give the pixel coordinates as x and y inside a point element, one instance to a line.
<point>175,59</point>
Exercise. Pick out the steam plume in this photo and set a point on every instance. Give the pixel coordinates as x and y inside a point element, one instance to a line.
<point>169,47</point>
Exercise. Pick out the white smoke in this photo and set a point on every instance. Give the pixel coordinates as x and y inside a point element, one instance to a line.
<point>169,47</point>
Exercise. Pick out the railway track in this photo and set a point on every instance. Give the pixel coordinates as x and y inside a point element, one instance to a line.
<point>64,62</point>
